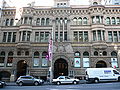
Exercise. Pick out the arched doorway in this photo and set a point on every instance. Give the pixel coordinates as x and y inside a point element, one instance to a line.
<point>21,68</point>
<point>101,64</point>
<point>60,68</point>
<point>5,76</point>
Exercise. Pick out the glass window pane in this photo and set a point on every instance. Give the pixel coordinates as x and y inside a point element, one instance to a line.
<point>85,36</point>
<point>14,37</point>
<point>110,38</point>
<point>114,62</point>
<point>44,62</point>
<point>75,36</point>
<point>76,62</point>
<point>115,36</point>
<point>42,36</point>
<point>4,36</point>
<point>86,62</point>
<point>46,36</point>
<point>94,36</point>
<point>36,62</point>
<point>99,35</point>
<point>36,36</point>
<point>81,36</point>
<point>9,36</point>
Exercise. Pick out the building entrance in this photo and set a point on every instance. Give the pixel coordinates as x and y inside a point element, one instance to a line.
<point>60,68</point>
<point>21,68</point>
<point>101,64</point>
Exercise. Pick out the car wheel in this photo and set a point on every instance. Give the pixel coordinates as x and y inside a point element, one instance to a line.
<point>36,83</point>
<point>20,83</point>
<point>58,83</point>
<point>74,82</point>
<point>96,80</point>
<point>119,79</point>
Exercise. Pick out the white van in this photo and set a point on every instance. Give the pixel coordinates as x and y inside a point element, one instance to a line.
<point>102,74</point>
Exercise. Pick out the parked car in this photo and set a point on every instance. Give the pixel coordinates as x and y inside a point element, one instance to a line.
<point>29,80</point>
<point>2,84</point>
<point>102,74</point>
<point>65,80</point>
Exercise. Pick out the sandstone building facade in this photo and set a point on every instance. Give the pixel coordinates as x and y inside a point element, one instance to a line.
<point>83,37</point>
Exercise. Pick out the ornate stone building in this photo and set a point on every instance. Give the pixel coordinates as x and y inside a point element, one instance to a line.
<point>83,37</point>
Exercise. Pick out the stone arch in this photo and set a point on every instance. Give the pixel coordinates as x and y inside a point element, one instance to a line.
<point>21,68</point>
<point>65,61</point>
<point>101,64</point>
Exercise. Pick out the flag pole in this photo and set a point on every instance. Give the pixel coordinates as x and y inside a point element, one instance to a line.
<point>51,67</point>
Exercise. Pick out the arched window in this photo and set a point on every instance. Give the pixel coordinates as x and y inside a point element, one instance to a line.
<point>113,20</point>
<point>118,20</point>
<point>57,20</point>
<point>7,22</point>
<point>95,3</point>
<point>36,54</point>
<point>44,60</point>
<point>108,21</point>
<point>42,21</point>
<point>10,58</point>
<point>11,22</point>
<point>75,21</point>
<point>47,21</point>
<point>80,21</point>
<point>104,53</point>
<point>36,59</point>
<point>2,53</point>
<point>77,59</point>
<point>19,53</point>
<point>85,53</point>
<point>65,21</point>
<point>77,54</point>
<point>86,60</point>
<point>61,21</point>
<point>27,53</point>
<point>95,53</point>
<point>114,54</point>
<point>85,20</point>
<point>2,58</point>
<point>38,21</point>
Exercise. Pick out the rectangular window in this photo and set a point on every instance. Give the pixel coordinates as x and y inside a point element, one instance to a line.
<point>86,62</point>
<point>115,36</point>
<point>36,36</point>
<point>76,62</point>
<point>56,36</point>
<point>85,36</point>
<point>114,62</point>
<point>81,36</point>
<point>14,37</point>
<point>110,38</point>
<point>61,36</point>
<point>75,36</point>
<point>65,36</point>
<point>36,62</point>
<point>46,36</point>
<point>24,35</point>
<point>99,35</point>
<point>94,36</point>
<point>9,61</point>
<point>42,36</point>
<point>44,62</point>
<point>9,36</point>
<point>4,36</point>
<point>28,36</point>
